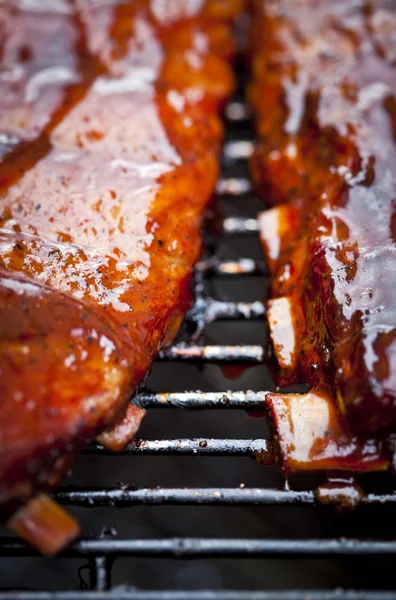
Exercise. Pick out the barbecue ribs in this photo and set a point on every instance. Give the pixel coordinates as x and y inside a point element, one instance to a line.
<point>109,142</point>
<point>324,95</point>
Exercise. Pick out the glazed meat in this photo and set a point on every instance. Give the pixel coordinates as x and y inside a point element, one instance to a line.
<point>324,95</point>
<point>109,141</point>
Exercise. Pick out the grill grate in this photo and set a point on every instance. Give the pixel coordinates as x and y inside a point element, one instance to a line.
<point>102,551</point>
<point>196,496</point>
<point>197,547</point>
<point>120,593</point>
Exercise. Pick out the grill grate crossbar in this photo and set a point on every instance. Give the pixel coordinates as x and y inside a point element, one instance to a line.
<point>190,547</point>
<point>192,446</point>
<point>202,400</point>
<point>126,496</point>
<point>242,266</point>
<point>122,593</point>
<point>238,187</point>
<point>218,310</point>
<point>214,354</point>
<point>239,225</point>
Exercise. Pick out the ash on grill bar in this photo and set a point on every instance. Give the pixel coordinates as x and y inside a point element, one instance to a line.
<point>111,147</point>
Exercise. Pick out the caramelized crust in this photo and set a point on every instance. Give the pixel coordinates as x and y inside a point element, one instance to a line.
<point>64,377</point>
<point>110,136</point>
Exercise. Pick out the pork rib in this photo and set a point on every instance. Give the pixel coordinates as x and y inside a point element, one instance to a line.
<point>324,95</point>
<point>110,137</point>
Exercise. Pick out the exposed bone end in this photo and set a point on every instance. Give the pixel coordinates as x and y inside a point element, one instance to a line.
<point>311,435</point>
<point>118,437</point>
<point>44,524</point>
<point>277,228</point>
<point>284,323</point>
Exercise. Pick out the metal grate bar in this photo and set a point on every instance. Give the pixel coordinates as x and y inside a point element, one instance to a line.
<point>242,266</point>
<point>194,353</point>
<point>218,310</point>
<point>204,400</point>
<point>125,496</point>
<point>189,547</point>
<point>234,186</point>
<point>195,446</point>
<point>240,225</point>
<point>100,572</point>
<point>237,111</point>
<point>125,593</point>
<point>238,150</point>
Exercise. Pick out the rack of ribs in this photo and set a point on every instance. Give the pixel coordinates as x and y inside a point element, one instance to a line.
<point>109,143</point>
<point>323,91</point>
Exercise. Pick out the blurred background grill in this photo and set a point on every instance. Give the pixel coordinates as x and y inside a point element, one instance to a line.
<point>247,530</point>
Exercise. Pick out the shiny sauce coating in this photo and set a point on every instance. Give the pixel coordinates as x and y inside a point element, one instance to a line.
<point>109,140</point>
<point>324,95</point>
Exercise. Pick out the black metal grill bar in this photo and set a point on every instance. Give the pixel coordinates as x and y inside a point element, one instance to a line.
<point>195,446</point>
<point>242,266</point>
<point>204,400</point>
<point>238,149</point>
<point>234,186</point>
<point>100,572</point>
<point>237,111</point>
<point>240,225</point>
<point>189,547</point>
<point>125,496</point>
<point>218,310</point>
<point>124,593</point>
<point>194,353</point>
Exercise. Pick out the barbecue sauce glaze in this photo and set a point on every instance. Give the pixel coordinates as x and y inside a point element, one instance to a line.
<point>109,141</point>
<point>324,94</point>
